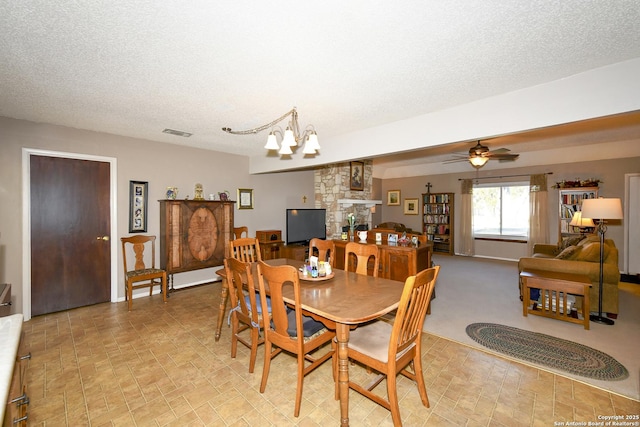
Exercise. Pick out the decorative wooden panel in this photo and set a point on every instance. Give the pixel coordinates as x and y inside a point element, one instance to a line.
<point>194,234</point>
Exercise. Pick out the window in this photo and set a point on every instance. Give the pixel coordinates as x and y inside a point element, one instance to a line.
<point>501,210</point>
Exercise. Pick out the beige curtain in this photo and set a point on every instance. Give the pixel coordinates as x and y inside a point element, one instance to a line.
<point>467,246</point>
<point>538,211</point>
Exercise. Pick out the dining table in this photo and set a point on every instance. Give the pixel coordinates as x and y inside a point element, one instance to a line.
<point>345,300</point>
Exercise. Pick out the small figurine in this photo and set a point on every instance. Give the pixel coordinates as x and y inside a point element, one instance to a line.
<point>172,193</point>
<point>199,193</point>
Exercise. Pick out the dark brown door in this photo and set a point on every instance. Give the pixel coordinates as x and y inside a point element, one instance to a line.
<point>70,220</point>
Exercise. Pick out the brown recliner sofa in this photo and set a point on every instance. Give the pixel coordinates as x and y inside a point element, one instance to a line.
<point>581,257</point>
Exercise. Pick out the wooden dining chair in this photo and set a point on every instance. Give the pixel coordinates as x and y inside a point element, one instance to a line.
<point>326,250</point>
<point>246,249</point>
<point>238,232</point>
<point>246,311</point>
<point>287,329</point>
<point>361,253</point>
<point>133,248</point>
<point>391,349</point>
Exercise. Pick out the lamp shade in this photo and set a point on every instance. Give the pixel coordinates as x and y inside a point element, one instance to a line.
<point>289,139</point>
<point>602,208</point>
<point>313,141</point>
<point>308,148</point>
<point>272,142</point>
<point>478,161</point>
<point>285,149</point>
<point>581,222</point>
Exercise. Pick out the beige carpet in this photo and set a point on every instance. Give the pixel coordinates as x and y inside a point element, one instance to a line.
<point>472,290</point>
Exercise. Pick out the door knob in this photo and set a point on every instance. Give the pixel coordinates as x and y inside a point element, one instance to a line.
<point>105,238</point>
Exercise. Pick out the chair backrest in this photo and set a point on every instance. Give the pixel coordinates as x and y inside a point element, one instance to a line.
<point>246,249</point>
<point>326,250</point>
<point>361,253</point>
<point>239,231</point>
<point>276,323</point>
<point>412,309</point>
<point>138,243</point>
<point>240,280</point>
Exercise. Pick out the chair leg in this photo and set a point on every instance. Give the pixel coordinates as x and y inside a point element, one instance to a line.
<point>255,336</point>
<point>234,334</point>
<point>266,366</point>
<point>130,294</point>
<point>392,393</point>
<point>296,411</point>
<point>422,389</point>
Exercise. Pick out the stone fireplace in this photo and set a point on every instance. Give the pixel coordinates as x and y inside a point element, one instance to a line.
<point>332,184</point>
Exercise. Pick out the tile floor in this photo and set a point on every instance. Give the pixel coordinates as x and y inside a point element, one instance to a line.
<point>159,365</point>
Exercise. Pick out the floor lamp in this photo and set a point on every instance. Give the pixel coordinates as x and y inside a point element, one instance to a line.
<point>601,209</point>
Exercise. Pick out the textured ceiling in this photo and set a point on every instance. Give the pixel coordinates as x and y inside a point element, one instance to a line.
<point>135,68</point>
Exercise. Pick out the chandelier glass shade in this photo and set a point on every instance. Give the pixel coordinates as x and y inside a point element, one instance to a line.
<point>478,161</point>
<point>291,137</point>
<point>477,155</point>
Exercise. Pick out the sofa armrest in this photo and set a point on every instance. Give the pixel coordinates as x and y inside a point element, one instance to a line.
<point>544,248</point>
<point>611,274</point>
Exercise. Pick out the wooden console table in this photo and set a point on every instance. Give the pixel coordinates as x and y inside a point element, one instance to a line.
<point>397,262</point>
<point>551,285</point>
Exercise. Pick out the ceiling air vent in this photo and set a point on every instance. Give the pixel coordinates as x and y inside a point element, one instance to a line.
<point>177,133</point>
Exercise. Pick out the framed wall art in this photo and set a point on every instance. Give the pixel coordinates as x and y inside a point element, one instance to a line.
<point>411,206</point>
<point>138,198</point>
<point>356,180</point>
<point>245,198</point>
<point>393,198</point>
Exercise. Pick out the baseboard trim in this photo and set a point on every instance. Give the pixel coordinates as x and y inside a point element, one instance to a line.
<point>630,278</point>
<point>487,257</point>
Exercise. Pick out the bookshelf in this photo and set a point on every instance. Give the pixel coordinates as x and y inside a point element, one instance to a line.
<point>437,220</point>
<point>570,201</point>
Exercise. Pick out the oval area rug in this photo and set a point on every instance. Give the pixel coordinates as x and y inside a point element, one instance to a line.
<point>548,351</point>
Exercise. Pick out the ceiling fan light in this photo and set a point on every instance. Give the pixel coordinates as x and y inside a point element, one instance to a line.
<point>478,150</point>
<point>272,142</point>
<point>478,161</point>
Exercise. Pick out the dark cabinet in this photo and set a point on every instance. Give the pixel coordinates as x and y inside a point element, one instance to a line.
<point>194,234</point>
<point>271,250</point>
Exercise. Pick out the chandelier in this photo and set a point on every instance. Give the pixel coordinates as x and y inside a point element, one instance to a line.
<point>291,137</point>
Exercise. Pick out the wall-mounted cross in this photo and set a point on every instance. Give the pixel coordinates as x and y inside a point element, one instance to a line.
<point>428,187</point>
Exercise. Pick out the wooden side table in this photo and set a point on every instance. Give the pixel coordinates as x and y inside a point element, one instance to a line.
<point>552,285</point>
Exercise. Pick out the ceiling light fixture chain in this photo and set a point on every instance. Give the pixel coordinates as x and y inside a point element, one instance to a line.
<point>263,127</point>
<point>291,137</point>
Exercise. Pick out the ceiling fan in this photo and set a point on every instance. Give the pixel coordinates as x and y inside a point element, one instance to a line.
<point>479,155</point>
